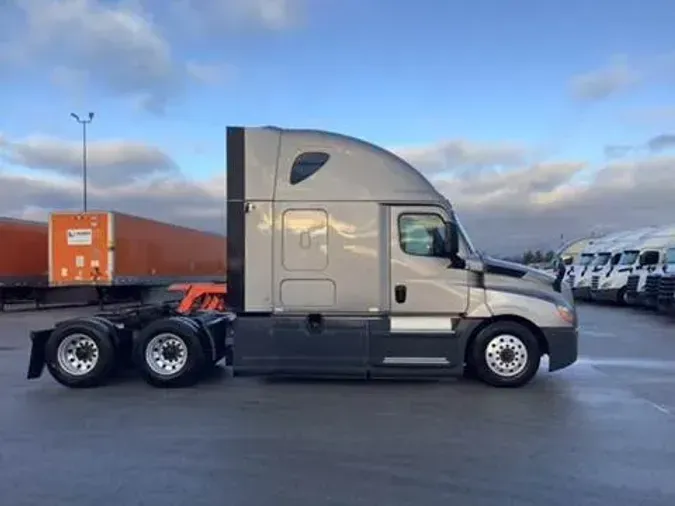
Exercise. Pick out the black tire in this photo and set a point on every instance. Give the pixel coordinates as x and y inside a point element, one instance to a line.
<point>621,297</point>
<point>89,331</point>
<point>123,343</point>
<point>511,336</point>
<point>184,336</point>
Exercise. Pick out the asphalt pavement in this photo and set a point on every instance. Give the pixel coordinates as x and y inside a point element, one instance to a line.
<point>599,433</point>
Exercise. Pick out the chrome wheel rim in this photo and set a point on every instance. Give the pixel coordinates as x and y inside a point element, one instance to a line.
<point>166,354</point>
<point>77,354</point>
<point>506,355</point>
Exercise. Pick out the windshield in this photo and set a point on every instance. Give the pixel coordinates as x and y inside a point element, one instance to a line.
<point>586,258</point>
<point>602,259</point>
<point>670,256</point>
<point>629,257</point>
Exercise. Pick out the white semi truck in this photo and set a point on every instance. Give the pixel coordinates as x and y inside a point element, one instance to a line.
<point>597,256</point>
<point>656,256</point>
<point>343,261</point>
<point>609,283</point>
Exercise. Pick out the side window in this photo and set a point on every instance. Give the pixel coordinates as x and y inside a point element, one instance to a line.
<point>422,234</point>
<point>307,164</point>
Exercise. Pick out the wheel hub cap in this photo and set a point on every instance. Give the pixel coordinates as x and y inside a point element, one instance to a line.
<point>77,354</point>
<point>166,354</point>
<point>506,355</point>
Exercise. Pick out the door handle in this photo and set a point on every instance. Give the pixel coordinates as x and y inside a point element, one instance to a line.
<point>400,293</point>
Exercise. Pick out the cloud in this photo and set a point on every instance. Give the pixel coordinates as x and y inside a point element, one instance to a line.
<point>661,142</point>
<point>505,211</point>
<point>198,204</point>
<point>115,48</point>
<point>538,205</point>
<point>613,151</point>
<point>652,115</point>
<point>218,16</point>
<point>461,155</point>
<point>657,144</point>
<point>212,74</point>
<point>603,83</point>
<point>111,162</point>
<point>526,205</point>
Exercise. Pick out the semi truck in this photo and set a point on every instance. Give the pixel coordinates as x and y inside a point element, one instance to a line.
<point>665,301</point>
<point>343,260</point>
<point>653,261</point>
<point>608,283</point>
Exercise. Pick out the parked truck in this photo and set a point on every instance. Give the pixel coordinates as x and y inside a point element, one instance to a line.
<point>665,299</point>
<point>608,284</point>
<point>652,262</point>
<point>344,261</point>
<point>593,258</point>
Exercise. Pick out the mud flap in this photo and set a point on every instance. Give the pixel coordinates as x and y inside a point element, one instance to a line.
<point>37,352</point>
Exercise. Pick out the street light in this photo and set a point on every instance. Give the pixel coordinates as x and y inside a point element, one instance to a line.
<point>84,123</point>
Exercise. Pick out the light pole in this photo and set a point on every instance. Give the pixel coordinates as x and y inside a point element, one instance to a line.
<point>84,123</point>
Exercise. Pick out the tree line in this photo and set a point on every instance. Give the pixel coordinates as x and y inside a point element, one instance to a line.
<point>533,257</point>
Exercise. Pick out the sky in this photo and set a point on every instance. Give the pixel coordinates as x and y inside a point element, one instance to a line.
<point>537,119</point>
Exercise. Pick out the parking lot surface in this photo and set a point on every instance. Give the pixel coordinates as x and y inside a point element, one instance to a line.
<point>599,433</point>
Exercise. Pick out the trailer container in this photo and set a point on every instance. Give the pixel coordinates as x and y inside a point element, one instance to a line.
<point>23,256</point>
<point>23,259</point>
<point>111,249</point>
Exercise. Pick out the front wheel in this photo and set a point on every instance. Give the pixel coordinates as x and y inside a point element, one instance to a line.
<point>621,297</point>
<point>505,354</point>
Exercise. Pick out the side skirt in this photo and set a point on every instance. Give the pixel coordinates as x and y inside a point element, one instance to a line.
<point>345,346</point>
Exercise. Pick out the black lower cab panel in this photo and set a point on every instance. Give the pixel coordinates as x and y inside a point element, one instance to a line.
<point>341,346</point>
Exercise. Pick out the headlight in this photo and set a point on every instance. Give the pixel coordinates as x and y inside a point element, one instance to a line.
<point>566,314</point>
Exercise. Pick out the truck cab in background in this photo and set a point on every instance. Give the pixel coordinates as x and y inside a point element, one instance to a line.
<point>649,261</point>
<point>608,284</point>
<point>602,260</point>
<point>664,284</point>
<point>655,255</point>
<point>577,272</point>
<point>595,257</point>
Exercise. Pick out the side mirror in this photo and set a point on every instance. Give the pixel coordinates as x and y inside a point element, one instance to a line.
<point>560,274</point>
<point>452,240</point>
<point>452,246</point>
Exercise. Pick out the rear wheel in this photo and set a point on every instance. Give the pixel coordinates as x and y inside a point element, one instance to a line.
<point>169,353</point>
<point>505,354</point>
<point>81,354</point>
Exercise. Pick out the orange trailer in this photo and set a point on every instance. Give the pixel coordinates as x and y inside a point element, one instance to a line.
<point>23,256</point>
<point>111,249</point>
<point>23,260</point>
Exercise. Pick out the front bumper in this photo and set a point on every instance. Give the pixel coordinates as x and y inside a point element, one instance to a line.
<point>563,346</point>
<point>649,301</point>
<point>582,292</point>
<point>605,294</point>
<point>634,298</point>
<point>666,305</point>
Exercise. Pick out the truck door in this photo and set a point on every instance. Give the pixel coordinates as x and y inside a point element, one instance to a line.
<point>427,296</point>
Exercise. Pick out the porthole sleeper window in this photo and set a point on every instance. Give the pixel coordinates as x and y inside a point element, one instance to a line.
<point>306,165</point>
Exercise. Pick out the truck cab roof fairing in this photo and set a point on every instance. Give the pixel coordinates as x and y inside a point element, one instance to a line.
<point>354,170</point>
